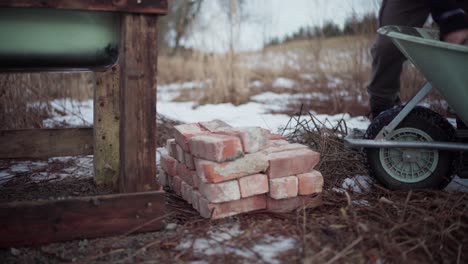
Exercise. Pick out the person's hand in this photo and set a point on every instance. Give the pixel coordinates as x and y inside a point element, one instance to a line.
<point>458,37</point>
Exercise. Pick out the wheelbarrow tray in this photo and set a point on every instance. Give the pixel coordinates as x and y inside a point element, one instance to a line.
<point>444,65</point>
<point>48,39</point>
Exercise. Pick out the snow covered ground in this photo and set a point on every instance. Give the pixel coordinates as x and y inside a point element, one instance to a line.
<point>255,113</point>
<point>221,239</point>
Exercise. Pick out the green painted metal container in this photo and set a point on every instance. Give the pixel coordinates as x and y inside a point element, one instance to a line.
<point>48,39</point>
<point>443,64</point>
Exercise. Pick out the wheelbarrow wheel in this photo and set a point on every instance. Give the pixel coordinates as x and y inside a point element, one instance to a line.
<point>399,168</point>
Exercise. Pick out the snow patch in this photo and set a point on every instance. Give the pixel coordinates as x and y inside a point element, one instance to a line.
<point>219,242</point>
<point>358,184</point>
<point>284,83</point>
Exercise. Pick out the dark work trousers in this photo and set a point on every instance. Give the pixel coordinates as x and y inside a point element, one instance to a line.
<point>387,61</point>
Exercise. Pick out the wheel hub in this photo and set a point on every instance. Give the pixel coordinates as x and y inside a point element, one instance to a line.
<point>411,155</point>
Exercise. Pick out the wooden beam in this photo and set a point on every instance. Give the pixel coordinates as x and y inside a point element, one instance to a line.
<point>32,223</point>
<point>158,7</point>
<point>44,143</point>
<point>106,127</point>
<point>138,62</point>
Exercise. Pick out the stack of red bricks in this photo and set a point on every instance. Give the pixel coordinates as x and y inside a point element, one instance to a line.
<point>223,171</point>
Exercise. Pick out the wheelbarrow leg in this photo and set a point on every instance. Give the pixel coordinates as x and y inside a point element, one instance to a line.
<point>387,130</point>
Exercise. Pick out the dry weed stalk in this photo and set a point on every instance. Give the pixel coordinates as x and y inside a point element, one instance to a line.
<point>336,161</point>
<point>25,98</point>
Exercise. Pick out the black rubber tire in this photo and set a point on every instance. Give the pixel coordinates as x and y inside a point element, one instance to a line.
<point>437,127</point>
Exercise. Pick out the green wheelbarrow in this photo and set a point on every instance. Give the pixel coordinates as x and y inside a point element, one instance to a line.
<point>410,146</point>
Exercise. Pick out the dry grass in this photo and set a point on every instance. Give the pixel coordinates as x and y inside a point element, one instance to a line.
<point>228,77</point>
<point>25,98</point>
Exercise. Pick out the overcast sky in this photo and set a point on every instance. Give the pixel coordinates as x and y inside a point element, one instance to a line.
<point>265,19</point>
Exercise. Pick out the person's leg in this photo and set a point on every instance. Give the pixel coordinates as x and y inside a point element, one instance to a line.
<point>387,61</point>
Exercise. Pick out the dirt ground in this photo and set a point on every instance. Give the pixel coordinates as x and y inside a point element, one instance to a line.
<point>378,227</point>
<point>353,225</point>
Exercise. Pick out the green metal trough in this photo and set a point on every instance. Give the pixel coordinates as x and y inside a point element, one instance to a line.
<point>48,39</point>
<point>444,65</point>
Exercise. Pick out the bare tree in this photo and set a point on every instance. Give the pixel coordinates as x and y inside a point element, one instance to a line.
<point>176,25</point>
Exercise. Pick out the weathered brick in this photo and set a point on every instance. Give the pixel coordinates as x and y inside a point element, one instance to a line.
<point>171,147</point>
<point>188,158</point>
<point>196,180</point>
<point>253,185</point>
<point>182,134</point>
<point>291,162</point>
<point>222,210</point>
<point>215,147</point>
<point>273,136</point>
<point>184,173</point>
<point>177,185</point>
<point>213,125</point>
<point>213,172</point>
<point>163,180</point>
<point>275,146</point>
<point>283,188</point>
<point>283,205</point>
<point>220,192</point>
<point>168,164</point>
<point>196,199</point>
<point>180,154</point>
<point>170,182</point>
<point>310,183</point>
<point>253,139</point>
<point>186,191</point>
<point>291,204</point>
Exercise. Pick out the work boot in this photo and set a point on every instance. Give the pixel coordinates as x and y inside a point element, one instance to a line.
<point>379,105</point>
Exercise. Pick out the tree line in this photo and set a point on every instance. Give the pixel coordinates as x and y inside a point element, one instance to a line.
<point>365,25</point>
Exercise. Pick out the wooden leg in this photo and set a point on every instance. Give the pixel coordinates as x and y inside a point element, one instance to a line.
<point>106,127</point>
<point>138,103</point>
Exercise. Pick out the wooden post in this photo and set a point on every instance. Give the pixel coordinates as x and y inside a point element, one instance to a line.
<point>106,127</point>
<point>138,63</point>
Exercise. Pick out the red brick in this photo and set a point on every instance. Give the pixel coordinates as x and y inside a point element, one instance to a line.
<point>180,154</point>
<point>213,125</point>
<point>188,158</point>
<point>253,185</point>
<point>163,180</point>
<point>186,191</point>
<point>253,139</point>
<point>215,147</point>
<point>168,164</point>
<point>275,146</point>
<point>184,173</point>
<point>273,136</point>
<point>283,188</point>
<point>310,183</point>
<point>222,210</point>
<point>291,204</point>
<point>196,180</point>
<point>291,162</point>
<point>171,147</point>
<point>212,172</point>
<point>284,205</point>
<point>196,199</point>
<point>220,192</point>
<point>170,182</point>
<point>177,185</point>
<point>182,134</point>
